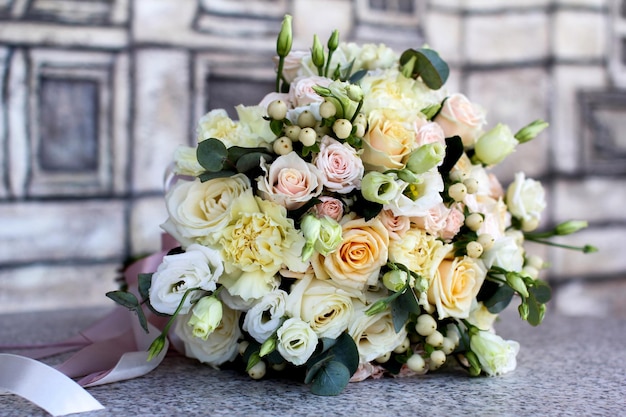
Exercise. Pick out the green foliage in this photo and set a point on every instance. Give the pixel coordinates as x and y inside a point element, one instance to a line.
<point>329,371</point>
<point>454,150</point>
<point>427,64</point>
<point>212,154</point>
<point>403,307</point>
<point>500,299</point>
<point>130,301</point>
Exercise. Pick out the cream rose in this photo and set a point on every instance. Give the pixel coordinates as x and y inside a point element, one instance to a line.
<point>290,181</point>
<point>496,355</point>
<point>198,267</point>
<point>197,210</point>
<point>296,341</point>
<point>454,286</point>
<point>374,335</point>
<point>389,139</point>
<point>266,315</point>
<point>459,116</point>
<point>361,254</point>
<point>219,347</point>
<point>322,304</point>
<point>525,198</point>
<point>340,165</point>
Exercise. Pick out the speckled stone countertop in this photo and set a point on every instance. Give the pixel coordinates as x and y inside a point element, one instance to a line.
<point>566,367</point>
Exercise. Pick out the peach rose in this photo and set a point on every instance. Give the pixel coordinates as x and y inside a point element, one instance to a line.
<point>290,181</point>
<point>459,116</point>
<point>390,138</point>
<point>357,261</point>
<point>455,285</point>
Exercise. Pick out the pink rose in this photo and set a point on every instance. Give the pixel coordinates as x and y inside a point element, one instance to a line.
<point>340,165</point>
<point>429,133</point>
<point>459,116</point>
<point>367,370</point>
<point>290,181</point>
<point>395,225</point>
<point>301,91</point>
<point>330,206</point>
<point>441,221</point>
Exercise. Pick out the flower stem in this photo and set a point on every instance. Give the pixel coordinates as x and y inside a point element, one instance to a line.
<point>279,72</point>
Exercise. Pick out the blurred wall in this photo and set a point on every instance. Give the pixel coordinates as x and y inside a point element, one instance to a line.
<point>96,95</point>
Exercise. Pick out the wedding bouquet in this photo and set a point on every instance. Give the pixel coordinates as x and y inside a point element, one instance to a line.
<point>348,226</point>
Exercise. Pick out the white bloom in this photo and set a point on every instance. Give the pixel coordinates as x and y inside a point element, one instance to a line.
<point>525,198</point>
<point>301,91</point>
<point>187,161</point>
<point>496,355</point>
<point>505,253</point>
<point>198,267</point>
<point>219,347</point>
<point>427,196</point>
<point>266,315</point>
<point>296,341</point>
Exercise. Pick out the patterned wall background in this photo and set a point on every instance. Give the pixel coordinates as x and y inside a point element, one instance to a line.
<point>97,94</point>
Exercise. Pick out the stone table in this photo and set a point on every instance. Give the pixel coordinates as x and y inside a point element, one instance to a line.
<point>567,366</point>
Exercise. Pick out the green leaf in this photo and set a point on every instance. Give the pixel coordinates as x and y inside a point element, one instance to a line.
<point>142,319</point>
<point>124,298</point>
<point>402,307</point>
<point>206,176</point>
<point>428,65</point>
<point>252,160</point>
<point>212,154</point>
<point>454,150</point>
<point>541,291</point>
<point>316,366</point>
<point>277,127</point>
<point>236,152</point>
<point>536,310</point>
<point>500,300</point>
<point>357,76</point>
<point>331,379</point>
<point>144,284</point>
<point>346,352</point>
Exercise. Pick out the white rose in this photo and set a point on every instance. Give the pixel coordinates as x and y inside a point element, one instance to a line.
<point>324,306</point>
<point>374,335</point>
<point>525,198</point>
<point>266,315</point>
<point>301,91</point>
<point>290,181</point>
<point>496,355</point>
<point>219,347</point>
<point>505,253</point>
<point>296,341</point>
<point>340,166</point>
<point>198,267</point>
<point>199,209</point>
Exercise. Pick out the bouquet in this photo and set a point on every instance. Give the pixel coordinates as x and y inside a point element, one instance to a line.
<point>348,226</point>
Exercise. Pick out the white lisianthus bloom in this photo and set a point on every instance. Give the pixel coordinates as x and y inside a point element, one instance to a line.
<point>423,196</point>
<point>198,267</point>
<point>374,335</point>
<point>219,347</point>
<point>322,304</point>
<point>505,253</point>
<point>187,162</point>
<point>525,198</point>
<point>197,210</point>
<point>205,316</point>
<point>296,341</point>
<point>266,315</point>
<point>496,355</point>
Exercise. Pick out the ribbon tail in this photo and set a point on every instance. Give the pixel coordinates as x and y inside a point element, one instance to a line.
<point>44,386</point>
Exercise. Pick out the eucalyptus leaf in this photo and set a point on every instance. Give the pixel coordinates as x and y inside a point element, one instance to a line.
<point>500,300</point>
<point>316,365</point>
<point>357,76</point>
<point>206,176</point>
<point>212,154</point>
<point>252,160</point>
<point>402,307</point>
<point>346,352</point>
<point>433,70</point>
<point>541,291</point>
<point>331,379</point>
<point>236,152</point>
<point>124,298</point>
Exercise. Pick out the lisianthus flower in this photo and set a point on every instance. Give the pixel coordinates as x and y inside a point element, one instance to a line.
<point>496,355</point>
<point>296,341</point>
<point>266,315</point>
<point>418,198</point>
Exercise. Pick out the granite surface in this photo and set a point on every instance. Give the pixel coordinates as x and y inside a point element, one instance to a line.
<point>568,366</point>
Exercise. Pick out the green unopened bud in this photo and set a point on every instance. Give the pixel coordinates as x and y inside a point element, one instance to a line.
<point>426,157</point>
<point>268,346</point>
<point>431,111</point>
<point>408,176</point>
<point>395,280</point>
<point>495,145</point>
<point>329,237</point>
<point>206,315</point>
<point>474,364</point>
<point>156,347</point>
<point>317,53</point>
<point>333,41</point>
<point>379,188</point>
<point>354,92</point>
<point>285,37</point>
<point>378,307</point>
<point>569,227</point>
<point>523,311</point>
<point>589,249</point>
<point>530,131</point>
<point>516,282</point>
<point>310,226</point>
